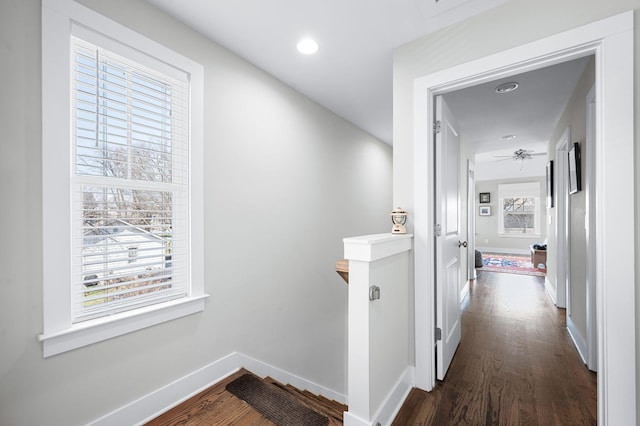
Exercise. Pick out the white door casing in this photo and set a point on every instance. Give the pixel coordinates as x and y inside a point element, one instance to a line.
<point>611,41</point>
<point>562,222</point>
<point>447,243</point>
<point>471,220</point>
<point>590,220</point>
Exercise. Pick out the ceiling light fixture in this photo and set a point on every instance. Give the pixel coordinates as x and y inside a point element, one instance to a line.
<point>508,137</point>
<point>307,46</point>
<point>520,156</point>
<point>507,87</point>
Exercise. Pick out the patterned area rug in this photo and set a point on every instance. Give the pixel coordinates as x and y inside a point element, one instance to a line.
<point>511,264</point>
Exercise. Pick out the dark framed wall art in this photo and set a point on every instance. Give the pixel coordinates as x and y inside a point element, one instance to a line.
<point>550,195</point>
<point>575,178</point>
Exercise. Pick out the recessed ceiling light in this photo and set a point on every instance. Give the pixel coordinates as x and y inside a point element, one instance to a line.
<point>307,46</point>
<point>508,137</point>
<point>507,87</point>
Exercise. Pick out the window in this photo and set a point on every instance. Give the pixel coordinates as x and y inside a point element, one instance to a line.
<point>127,251</point>
<point>519,215</point>
<point>129,170</point>
<point>519,209</point>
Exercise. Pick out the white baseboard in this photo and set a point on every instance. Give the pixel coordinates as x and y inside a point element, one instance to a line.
<point>550,291</point>
<point>394,400</point>
<point>157,402</point>
<point>578,339</point>
<point>464,292</point>
<point>349,419</point>
<point>390,405</point>
<point>503,250</point>
<point>262,369</point>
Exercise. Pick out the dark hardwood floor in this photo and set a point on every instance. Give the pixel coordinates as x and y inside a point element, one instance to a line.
<point>516,364</point>
<point>217,406</point>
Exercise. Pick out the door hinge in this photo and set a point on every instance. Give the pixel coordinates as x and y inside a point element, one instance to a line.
<point>437,126</point>
<point>437,230</point>
<point>438,334</point>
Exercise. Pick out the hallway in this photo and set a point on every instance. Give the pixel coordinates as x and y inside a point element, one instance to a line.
<point>516,363</point>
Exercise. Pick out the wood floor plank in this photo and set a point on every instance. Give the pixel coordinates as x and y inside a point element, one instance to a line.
<point>516,364</point>
<point>217,406</point>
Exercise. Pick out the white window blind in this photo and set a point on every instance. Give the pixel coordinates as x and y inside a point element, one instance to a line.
<point>129,182</point>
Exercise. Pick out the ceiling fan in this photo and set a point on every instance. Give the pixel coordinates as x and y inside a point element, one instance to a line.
<point>519,156</point>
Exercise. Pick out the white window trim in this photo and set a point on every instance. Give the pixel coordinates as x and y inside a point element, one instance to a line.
<point>512,190</point>
<point>59,334</point>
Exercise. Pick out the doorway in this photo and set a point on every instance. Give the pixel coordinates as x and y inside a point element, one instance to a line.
<point>614,121</point>
<point>539,110</point>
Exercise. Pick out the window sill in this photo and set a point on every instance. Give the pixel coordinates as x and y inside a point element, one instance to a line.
<point>519,235</point>
<point>97,330</point>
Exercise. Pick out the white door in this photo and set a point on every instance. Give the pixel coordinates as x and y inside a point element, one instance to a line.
<point>448,244</point>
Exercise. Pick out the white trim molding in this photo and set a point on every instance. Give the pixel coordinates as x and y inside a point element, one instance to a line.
<point>391,405</point>
<point>562,228</point>
<point>150,406</point>
<point>60,333</point>
<point>500,250</point>
<point>611,41</point>
<point>578,339</point>
<point>550,291</point>
<point>379,374</point>
<point>263,369</point>
<point>89,332</point>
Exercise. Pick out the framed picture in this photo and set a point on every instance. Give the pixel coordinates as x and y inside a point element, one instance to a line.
<point>485,211</point>
<point>575,183</point>
<point>550,200</point>
<point>485,197</point>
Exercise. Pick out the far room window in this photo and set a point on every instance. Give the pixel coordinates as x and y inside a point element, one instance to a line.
<point>122,180</point>
<point>519,214</point>
<point>519,209</point>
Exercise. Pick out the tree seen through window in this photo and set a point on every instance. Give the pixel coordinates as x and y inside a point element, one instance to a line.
<point>519,215</point>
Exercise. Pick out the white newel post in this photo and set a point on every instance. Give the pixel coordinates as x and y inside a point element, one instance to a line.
<point>379,374</point>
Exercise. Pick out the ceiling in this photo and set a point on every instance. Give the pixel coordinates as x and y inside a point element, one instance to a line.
<point>351,74</point>
<point>531,113</point>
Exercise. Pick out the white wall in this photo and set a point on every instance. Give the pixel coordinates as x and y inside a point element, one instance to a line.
<point>512,24</point>
<point>294,179</point>
<point>574,117</point>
